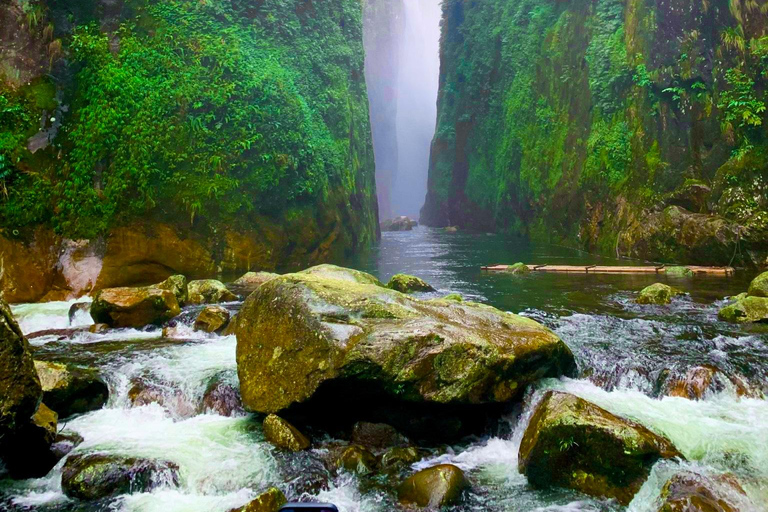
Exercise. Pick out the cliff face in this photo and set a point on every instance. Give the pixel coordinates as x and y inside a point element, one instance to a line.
<point>628,127</point>
<point>140,138</point>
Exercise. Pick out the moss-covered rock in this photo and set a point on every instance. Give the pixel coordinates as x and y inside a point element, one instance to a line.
<point>518,269</point>
<point>573,443</point>
<point>250,282</point>
<point>408,284</point>
<point>659,294</point>
<point>269,501</point>
<point>399,457</point>
<point>178,285</point>
<point>692,492</point>
<point>284,435</point>
<point>302,330</point>
<point>746,310</point>
<point>357,459</point>
<point>209,291</point>
<point>90,477</point>
<point>342,274</point>
<point>212,319</point>
<point>679,272</point>
<point>759,286</point>
<point>134,307</point>
<point>69,389</point>
<point>433,487</point>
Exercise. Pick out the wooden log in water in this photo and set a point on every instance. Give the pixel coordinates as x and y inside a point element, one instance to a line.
<point>611,269</point>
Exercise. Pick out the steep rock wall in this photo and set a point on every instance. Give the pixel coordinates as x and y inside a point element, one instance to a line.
<point>627,127</point>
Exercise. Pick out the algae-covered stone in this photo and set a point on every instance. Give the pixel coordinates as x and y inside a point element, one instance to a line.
<point>692,492</point>
<point>69,389</point>
<point>575,444</point>
<point>134,307</point>
<point>209,291</point>
<point>250,282</point>
<point>433,487</point>
<point>408,284</point>
<point>518,268</point>
<point>454,297</point>
<point>356,459</point>
<point>746,310</point>
<point>212,319</point>
<point>95,476</point>
<point>284,435</point>
<point>658,294</point>
<point>301,330</point>
<point>178,285</point>
<point>341,274</point>
<point>679,272</point>
<point>759,286</point>
<point>269,501</point>
<point>398,457</point>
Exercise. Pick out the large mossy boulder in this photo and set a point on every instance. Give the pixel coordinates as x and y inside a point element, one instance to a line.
<point>659,294</point>
<point>209,291</point>
<point>573,443</point>
<point>433,487</point>
<point>759,286</point>
<point>95,476</point>
<point>408,284</point>
<point>692,492</point>
<point>745,310</point>
<point>69,389</point>
<point>283,435</point>
<point>134,307</point>
<point>331,326</point>
<point>269,501</point>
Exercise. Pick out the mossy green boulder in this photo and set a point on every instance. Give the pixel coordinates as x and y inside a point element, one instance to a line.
<point>328,271</point>
<point>283,435</point>
<point>433,487</point>
<point>212,319</point>
<point>134,307</point>
<point>399,457</point>
<point>759,286</point>
<point>573,443</point>
<point>408,284</point>
<point>209,291</point>
<point>679,272</point>
<point>357,459</point>
<point>518,269</point>
<point>302,330</point>
<point>745,310</point>
<point>178,285</point>
<point>659,294</point>
<point>269,501</point>
<point>69,389</point>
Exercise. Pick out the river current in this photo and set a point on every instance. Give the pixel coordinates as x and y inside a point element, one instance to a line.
<point>622,349</point>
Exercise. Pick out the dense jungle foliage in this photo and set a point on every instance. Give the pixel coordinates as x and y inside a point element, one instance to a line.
<point>199,110</point>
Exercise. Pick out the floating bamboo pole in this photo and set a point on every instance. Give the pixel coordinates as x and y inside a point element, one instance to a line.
<point>605,269</point>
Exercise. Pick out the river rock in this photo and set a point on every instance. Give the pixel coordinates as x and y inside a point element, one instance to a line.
<point>250,282</point>
<point>284,435</point>
<point>759,286</point>
<point>64,443</point>
<point>269,501</point>
<point>95,476</point>
<point>178,286</point>
<point>575,444</point>
<point>209,291</point>
<point>679,272</point>
<point>433,487</point>
<point>401,223</point>
<point>694,384</point>
<point>212,319</point>
<point>408,284</point>
<point>451,229</point>
<point>746,310</point>
<point>71,390</point>
<point>399,457</point>
<point>134,307</point>
<point>384,348</point>
<point>77,309</point>
<point>29,454</point>
<point>145,393</point>
<point>658,294</point>
<point>377,436</point>
<point>223,399</point>
<point>98,328</point>
<point>691,492</point>
<point>357,459</point>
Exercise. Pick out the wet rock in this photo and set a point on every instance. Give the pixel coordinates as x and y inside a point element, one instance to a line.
<point>399,457</point>
<point>679,272</point>
<point>692,196</point>
<point>304,472</point>
<point>90,477</point>
<point>223,399</point>
<point>134,307</point>
<point>143,393</point>
<point>209,291</point>
<point>746,310</point>
<point>59,334</point>
<point>356,459</point>
<point>64,443</point>
<point>77,309</point>
<point>575,444</point>
<point>451,229</point>
<point>269,501</point>
<point>71,390</point>
<point>231,327</point>
<point>212,319</point>
<point>304,330</point>
<point>408,284</point>
<point>29,453</point>
<point>98,328</point>
<point>518,268</point>
<point>691,492</point>
<point>284,435</point>
<point>434,487</point>
<point>759,286</point>
<point>377,436</point>
<point>659,294</point>
<point>341,274</point>
<point>453,297</point>
<point>401,223</point>
<point>250,282</point>
<point>694,384</point>
<point>178,286</point>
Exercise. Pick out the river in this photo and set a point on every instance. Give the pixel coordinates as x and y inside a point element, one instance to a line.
<point>621,348</point>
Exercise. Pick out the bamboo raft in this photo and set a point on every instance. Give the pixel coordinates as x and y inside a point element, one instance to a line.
<point>603,269</point>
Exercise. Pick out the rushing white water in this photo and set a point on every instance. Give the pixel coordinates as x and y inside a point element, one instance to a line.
<point>50,315</point>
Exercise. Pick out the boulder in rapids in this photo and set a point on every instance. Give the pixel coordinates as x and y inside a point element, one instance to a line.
<point>134,307</point>
<point>357,459</point>
<point>212,319</point>
<point>400,457</point>
<point>433,487</point>
<point>269,501</point>
<point>250,282</point>
<point>573,443</point>
<point>518,269</point>
<point>71,390</point>
<point>694,384</point>
<point>746,310</point>
<point>222,398</point>
<point>283,435</point>
<point>209,291</point>
<point>64,443</point>
<point>95,476</point>
<point>98,328</point>
<point>759,286</point>
<point>659,294</point>
<point>332,326</point>
<point>408,284</point>
<point>178,286</point>
<point>692,492</point>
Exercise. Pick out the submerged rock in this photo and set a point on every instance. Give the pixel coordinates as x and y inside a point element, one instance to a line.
<point>518,268</point>
<point>212,319</point>
<point>71,390</point>
<point>356,459</point>
<point>284,435</point>
<point>401,223</point>
<point>659,294</point>
<point>209,291</point>
<point>384,348</point>
<point>575,444</point>
<point>759,286</point>
<point>691,492</point>
<point>134,307</point>
<point>250,282</point>
<point>408,284</point>
<point>746,310</point>
<point>94,476</point>
<point>269,501</point>
<point>178,286</point>
<point>433,487</point>
<point>64,443</point>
